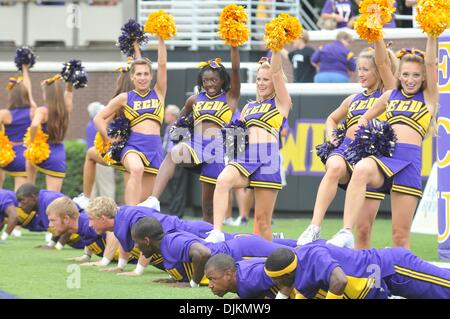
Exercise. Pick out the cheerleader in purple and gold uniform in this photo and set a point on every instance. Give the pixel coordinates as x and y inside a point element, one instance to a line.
<point>211,109</point>
<point>15,121</point>
<point>411,110</point>
<point>93,157</point>
<point>376,72</point>
<point>259,167</point>
<point>53,119</point>
<point>144,107</point>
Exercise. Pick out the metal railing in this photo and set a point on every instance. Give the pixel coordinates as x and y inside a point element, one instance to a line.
<point>197,23</point>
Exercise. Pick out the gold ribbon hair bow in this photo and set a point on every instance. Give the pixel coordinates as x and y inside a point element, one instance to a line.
<point>264,59</point>
<point>417,52</point>
<point>216,63</point>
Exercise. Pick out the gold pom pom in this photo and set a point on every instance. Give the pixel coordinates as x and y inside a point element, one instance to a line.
<point>108,159</point>
<point>38,150</point>
<point>233,25</point>
<point>161,24</point>
<point>369,28</point>
<point>382,10</point>
<point>281,31</point>
<point>100,145</point>
<point>7,153</point>
<point>433,16</point>
<point>102,149</point>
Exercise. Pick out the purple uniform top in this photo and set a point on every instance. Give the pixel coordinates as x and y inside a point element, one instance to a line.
<point>88,237</point>
<point>409,110</point>
<point>263,114</point>
<point>251,280</point>
<point>19,125</point>
<point>317,260</point>
<point>175,248</point>
<point>91,130</point>
<point>359,105</point>
<point>7,199</point>
<point>342,7</point>
<point>142,107</point>
<point>334,57</point>
<point>214,109</point>
<point>38,220</point>
<point>127,216</point>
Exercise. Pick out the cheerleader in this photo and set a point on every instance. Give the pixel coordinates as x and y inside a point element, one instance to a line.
<point>15,121</point>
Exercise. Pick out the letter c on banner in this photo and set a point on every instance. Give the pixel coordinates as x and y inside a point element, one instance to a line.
<point>444,67</point>
<point>442,237</point>
<point>445,123</point>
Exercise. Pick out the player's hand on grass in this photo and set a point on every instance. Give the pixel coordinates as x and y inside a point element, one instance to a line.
<point>84,258</point>
<point>128,273</point>
<point>45,247</point>
<point>164,281</point>
<point>180,285</point>
<point>112,269</point>
<point>93,264</point>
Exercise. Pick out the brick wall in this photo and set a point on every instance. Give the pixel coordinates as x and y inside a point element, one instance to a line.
<point>100,88</point>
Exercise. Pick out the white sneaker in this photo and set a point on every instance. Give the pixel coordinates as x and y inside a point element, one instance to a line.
<point>215,236</point>
<point>279,235</point>
<point>151,202</point>
<point>16,233</point>
<point>240,221</point>
<point>81,201</point>
<point>343,238</point>
<point>311,234</point>
<point>229,221</point>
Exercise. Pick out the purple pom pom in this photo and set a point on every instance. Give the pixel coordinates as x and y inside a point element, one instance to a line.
<point>324,150</point>
<point>131,31</point>
<point>119,128</point>
<point>183,129</point>
<point>24,55</point>
<point>339,134</point>
<point>377,138</point>
<point>69,69</point>
<point>74,72</point>
<point>80,79</point>
<point>235,138</point>
<point>116,149</point>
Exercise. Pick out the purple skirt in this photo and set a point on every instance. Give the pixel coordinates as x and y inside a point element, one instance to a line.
<point>402,170</point>
<point>149,149</point>
<point>17,167</point>
<point>208,153</point>
<point>260,163</point>
<point>339,151</point>
<point>55,164</point>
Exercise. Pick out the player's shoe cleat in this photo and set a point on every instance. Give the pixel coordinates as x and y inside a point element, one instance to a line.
<point>311,234</point>
<point>151,202</point>
<point>215,236</point>
<point>343,238</point>
<point>81,200</point>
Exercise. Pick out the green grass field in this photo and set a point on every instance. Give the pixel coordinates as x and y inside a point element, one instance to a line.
<point>29,272</point>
